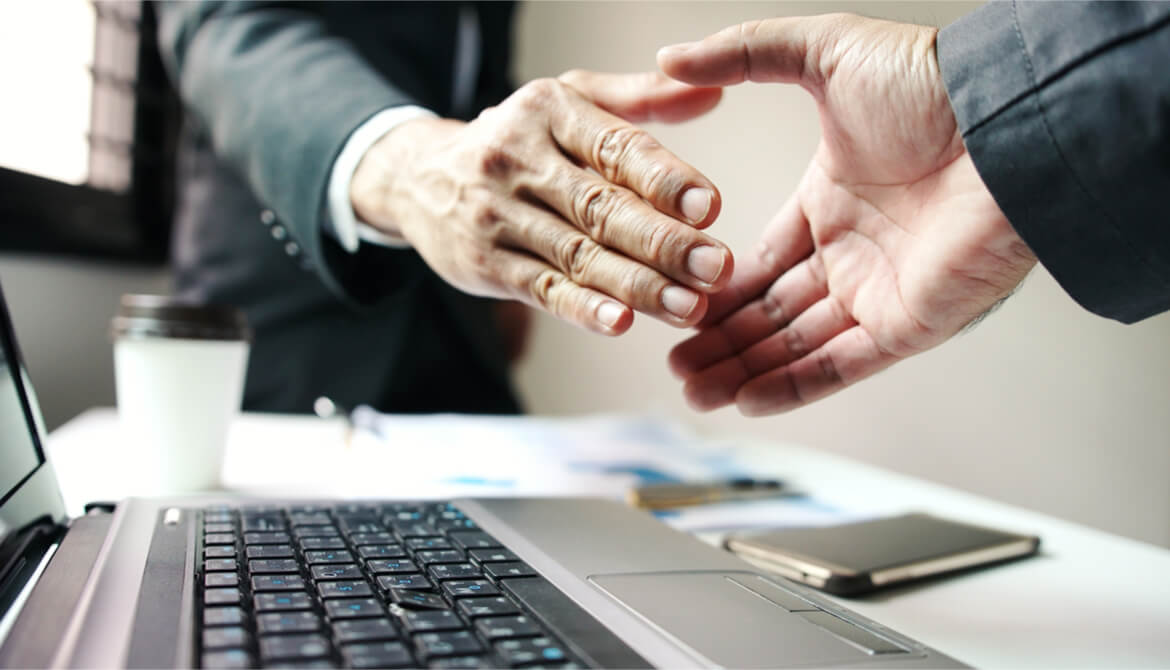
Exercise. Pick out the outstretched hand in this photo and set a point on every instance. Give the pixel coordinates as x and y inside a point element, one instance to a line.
<point>891,243</point>
<point>554,199</point>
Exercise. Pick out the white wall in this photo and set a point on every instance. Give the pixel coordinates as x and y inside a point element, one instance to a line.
<point>1043,405</point>
<point>61,310</point>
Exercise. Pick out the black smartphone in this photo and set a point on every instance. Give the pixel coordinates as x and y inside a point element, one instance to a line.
<point>857,558</point>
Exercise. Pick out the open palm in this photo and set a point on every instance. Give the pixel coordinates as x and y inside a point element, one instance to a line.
<point>890,244</point>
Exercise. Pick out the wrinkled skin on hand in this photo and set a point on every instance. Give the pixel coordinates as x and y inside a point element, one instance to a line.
<point>553,199</point>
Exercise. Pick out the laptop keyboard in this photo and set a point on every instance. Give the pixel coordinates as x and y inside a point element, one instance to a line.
<point>365,586</point>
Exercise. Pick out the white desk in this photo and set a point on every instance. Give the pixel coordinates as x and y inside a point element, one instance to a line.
<point>1090,600</point>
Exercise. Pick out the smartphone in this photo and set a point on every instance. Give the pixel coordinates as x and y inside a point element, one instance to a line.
<point>865,556</point>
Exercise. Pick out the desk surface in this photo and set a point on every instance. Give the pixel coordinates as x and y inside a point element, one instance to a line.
<point>1090,599</point>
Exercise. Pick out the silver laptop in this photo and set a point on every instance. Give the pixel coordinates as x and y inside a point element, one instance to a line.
<point>207,582</point>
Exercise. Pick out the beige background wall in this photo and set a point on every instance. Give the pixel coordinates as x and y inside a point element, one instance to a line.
<point>1043,405</point>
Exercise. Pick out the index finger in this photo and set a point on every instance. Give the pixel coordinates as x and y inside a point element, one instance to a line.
<point>624,154</point>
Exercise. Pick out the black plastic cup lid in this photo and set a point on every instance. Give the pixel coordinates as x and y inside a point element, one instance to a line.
<point>164,316</point>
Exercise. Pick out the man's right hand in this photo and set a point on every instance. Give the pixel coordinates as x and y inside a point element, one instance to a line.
<point>891,243</point>
<point>554,201</point>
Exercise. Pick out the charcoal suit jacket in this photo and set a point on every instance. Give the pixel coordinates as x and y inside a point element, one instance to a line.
<point>271,92</point>
<point>1065,110</point>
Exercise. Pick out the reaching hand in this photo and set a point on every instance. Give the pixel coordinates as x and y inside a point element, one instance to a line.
<point>891,243</point>
<point>506,206</point>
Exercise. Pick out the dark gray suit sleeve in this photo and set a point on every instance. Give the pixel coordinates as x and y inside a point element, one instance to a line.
<point>1065,110</point>
<point>278,94</point>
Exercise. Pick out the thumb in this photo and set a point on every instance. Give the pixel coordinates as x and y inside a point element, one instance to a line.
<point>769,50</point>
<point>643,96</point>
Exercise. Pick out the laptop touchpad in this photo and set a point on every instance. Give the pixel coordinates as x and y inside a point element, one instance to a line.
<point>727,621</point>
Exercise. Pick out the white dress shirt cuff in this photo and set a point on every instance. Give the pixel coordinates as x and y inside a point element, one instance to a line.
<point>349,231</point>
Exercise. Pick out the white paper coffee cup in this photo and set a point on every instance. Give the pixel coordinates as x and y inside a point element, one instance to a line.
<point>179,372</point>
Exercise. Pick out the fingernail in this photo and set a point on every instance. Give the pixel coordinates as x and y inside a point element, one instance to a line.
<point>608,313</point>
<point>695,204</point>
<point>679,301</point>
<point>705,263</point>
<point>677,48</point>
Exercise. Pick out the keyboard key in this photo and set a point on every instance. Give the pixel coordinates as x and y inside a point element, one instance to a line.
<point>309,519</point>
<point>318,543</point>
<point>219,538</point>
<point>382,551</point>
<point>424,543</point>
<point>497,606</point>
<point>273,602</point>
<point>213,579</point>
<point>223,616</point>
<point>336,572</point>
<point>220,551</point>
<point>530,651</point>
<point>373,538</point>
<point>415,529</point>
<point>210,528</point>
<point>463,662</point>
<point>417,600</point>
<point>269,551</point>
<point>439,556</point>
<point>344,589</point>
<point>425,621</point>
<point>444,571</point>
<point>293,647</point>
<point>266,538</point>
<point>267,566</point>
<point>391,566</point>
<point>460,588</point>
<point>315,531</point>
<point>412,582</point>
<point>447,643</point>
<point>362,527</point>
<point>229,659</point>
<point>494,628</point>
<point>473,540</point>
<point>377,655</point>
<point>405,515</point>
<point>263,524</point>
<point>364,630</point>
<point>328,556</point>
<point>491,555</point>
<point>278,583</point>
<point>221,596</point>
<point>287,622</point>
<point>225,637</point>
<point>448,525</point>
<point>219,565</point>
<point>353,608</point>
<point>506,570</point>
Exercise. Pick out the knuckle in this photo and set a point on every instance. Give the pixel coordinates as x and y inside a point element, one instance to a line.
<point>660,182</point>
<point>577,256</point>
<point>537,91</point>
<point>596,205</point>
<point>640,285</point>
<point>543,286</point>
<point>660,244</point>
<point>614,147</point>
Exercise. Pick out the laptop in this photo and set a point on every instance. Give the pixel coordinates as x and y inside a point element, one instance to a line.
<point>222,582</point>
